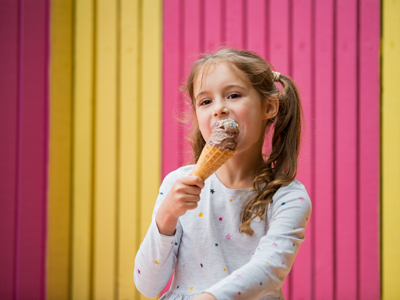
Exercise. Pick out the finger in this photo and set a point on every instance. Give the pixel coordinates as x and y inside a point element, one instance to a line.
<point>190,205</point>
<point>192,190</point>
<point>194,180</point>
<point>187,189</point>
<point>191,199</point>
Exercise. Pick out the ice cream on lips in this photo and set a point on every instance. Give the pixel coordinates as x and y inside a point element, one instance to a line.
<point>219,148</point>
<point>223,134</point>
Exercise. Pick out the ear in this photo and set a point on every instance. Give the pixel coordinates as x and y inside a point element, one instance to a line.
<point>271,107</point>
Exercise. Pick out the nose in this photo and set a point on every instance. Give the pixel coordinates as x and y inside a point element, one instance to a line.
<point>220,109</point>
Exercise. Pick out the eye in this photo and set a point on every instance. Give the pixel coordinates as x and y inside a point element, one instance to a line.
<point>234,96</point>
<point>205,102</point>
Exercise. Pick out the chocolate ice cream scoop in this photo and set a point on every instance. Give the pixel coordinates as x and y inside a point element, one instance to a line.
<point>223,135</point>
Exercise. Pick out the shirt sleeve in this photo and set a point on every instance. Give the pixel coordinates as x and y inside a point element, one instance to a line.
<point>266,272</point>
<point>156,257</point>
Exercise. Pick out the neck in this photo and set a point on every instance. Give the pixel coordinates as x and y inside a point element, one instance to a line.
<point>241,169</point>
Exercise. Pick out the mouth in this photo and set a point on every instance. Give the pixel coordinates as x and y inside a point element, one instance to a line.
<point>226,119</point>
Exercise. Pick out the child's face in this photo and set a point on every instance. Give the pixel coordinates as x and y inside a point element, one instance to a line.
<point>225,95</point>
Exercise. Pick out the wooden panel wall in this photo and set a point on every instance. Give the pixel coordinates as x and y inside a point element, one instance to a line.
<point>390,150</point>
<point>106,128</point>
<point>331,50</point>
<point>24,116</point>
<point>111,139</point>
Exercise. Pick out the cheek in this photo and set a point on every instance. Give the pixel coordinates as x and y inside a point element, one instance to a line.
<point>204,127</point>
<point>205,132</point>
<point>252,120</point>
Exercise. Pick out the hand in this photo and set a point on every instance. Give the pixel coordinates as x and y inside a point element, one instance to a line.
<point>205,296</point>
<point>183,196</point>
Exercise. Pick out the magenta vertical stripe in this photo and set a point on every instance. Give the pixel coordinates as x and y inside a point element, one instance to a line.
<point>171,82</point>
<point>234,25</point>
<point>192,34</point>
<point>8,143</point>
<point>32,150</point>
<point>346,150</point>
<point>172,70</point>
<point>279,35</point>
<point>212,24</point>
<point>323,201</point>
<point>369,154</point>
<point>279,56</point>
<point>256,37</point>
<point>302,74</point>
<point>257,27</point>
<point>46,142</point>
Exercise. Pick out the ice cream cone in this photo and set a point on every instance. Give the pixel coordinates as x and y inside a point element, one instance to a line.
<point>210,160</point>
<point>220,147</point>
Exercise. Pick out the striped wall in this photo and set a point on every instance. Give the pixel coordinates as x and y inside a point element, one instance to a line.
<point>105,136</point>
<point>88,105</point>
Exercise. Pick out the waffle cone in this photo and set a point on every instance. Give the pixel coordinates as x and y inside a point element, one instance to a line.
<point>211,158</point>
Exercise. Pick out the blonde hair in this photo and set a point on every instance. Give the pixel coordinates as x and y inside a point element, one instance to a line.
<point>280,168</point>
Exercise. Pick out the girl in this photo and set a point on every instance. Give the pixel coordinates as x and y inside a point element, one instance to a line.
<point>236,235</point>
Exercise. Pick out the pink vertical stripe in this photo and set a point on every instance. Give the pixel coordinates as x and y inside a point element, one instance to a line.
<point>8,142</point>
<point>279,56</point>
<point>172,98</point>
<point>234,23</point>
<point>323,201</point>
<point>279,35</point>
<point>346,150</point>
<point>212,24</point>
<point>257,38</point>
<point>32,150</point>
<point>257,27</point>
<point>369,139</point>
<point>302,75</point>
<point>192,33</point>
<point>172,51</point>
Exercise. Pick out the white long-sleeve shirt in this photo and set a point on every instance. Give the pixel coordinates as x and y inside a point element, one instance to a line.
<point>209,254</point>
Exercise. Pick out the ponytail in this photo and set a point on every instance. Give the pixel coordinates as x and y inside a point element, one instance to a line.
<point>287,130</point>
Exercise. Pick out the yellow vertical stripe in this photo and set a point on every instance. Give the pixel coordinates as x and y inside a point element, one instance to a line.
<point>150,129</point>
<point>58,246</point>
<point>129,56</point>
<point>390,150</point>
<point>105,149</point>
<point>82,193</point>
<point>150,109</point>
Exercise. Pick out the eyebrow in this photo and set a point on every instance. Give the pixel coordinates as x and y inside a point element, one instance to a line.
<point>225,88</point>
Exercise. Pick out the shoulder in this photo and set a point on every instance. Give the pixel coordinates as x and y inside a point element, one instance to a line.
<point>171,177</point>
<point>294,190</point>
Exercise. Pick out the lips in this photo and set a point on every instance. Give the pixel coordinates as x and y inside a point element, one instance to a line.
<point>229,126</point>
<point>229,119</point>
